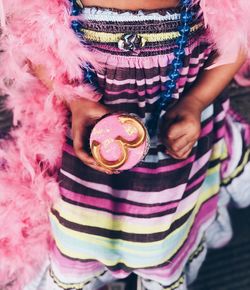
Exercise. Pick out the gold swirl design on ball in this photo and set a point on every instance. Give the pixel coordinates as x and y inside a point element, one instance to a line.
<point>131,125</point>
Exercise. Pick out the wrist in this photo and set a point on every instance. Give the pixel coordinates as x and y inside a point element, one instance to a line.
<point>196,103</point>
<point>78,102</point>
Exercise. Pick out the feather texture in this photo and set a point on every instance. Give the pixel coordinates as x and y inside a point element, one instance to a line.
<point>39,32</point>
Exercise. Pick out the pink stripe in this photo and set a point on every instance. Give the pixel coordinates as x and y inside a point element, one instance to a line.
<point>181,82</point>
<point>220,116</point>
<point>145,62</point>
<point>184,205</point>
<point>167,168</point>
<point>194,71</point>
<point>67,148</point>
<point>117,207</point>
<point>189,202</point>
<point>64,266</point>
<point>207,129</point>
<point>149,81</point>
<point>199,163</point>
<point>221,132</point>
<point>205,215</point>
<point>135,91</point>
<point>164,196</point>
<point>196,182</point>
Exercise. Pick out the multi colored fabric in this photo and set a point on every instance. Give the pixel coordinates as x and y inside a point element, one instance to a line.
<point>153,219</point>
<point>39,33</point>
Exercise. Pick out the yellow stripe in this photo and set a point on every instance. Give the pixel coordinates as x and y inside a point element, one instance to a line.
<point>239,168</point>
<point>99,241</point>
<point>76,286</point>
<point>219,151</point>
<point>95,218</point>
<point>148,37</point>
<point>178,283</point>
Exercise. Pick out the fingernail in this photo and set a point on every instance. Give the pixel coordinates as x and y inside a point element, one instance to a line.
<point>117,172</point>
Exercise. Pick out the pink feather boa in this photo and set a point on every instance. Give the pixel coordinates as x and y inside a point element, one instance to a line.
<point>39,32</point>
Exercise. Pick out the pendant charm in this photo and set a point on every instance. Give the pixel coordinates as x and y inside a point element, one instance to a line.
<point>131,42</point>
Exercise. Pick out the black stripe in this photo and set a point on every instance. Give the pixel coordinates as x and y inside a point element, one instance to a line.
<point>197,175</point>
<point>111,234</point>
<point>145,26</point>
<point>224,183</point>
<point>122,266</point>
<point>117,213</point>
<point>70,185</point>
<point>127,180</point>
<point>139,74</point>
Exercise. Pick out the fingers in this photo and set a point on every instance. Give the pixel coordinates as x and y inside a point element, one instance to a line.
<point>78,137</point>
<point>182,153</point>
<point>176,131</point>
<point>181,137</point>
<point>181,147</point>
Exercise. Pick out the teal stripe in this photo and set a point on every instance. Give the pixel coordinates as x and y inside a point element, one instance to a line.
<point>207,113</point>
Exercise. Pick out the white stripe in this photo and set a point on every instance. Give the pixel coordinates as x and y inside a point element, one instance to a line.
<point>113,16</point>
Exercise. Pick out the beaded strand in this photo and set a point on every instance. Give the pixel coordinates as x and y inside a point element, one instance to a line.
<point>179,53</point>
<point>89,74</point>
<point>177,64</point>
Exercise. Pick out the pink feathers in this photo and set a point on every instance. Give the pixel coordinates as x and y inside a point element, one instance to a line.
<point>229,23</point>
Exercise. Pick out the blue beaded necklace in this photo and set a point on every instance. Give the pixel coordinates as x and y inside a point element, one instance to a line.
<point>176,65</point>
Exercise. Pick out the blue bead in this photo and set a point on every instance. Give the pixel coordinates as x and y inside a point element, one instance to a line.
<point>174,75</point>
<point>171,85</point>
<point>179,52</point>
<point>75,12</point>
<point>75,24</point>
<point>182,41</point>
<point>177,64</point>
<point>166,95</point>
<point>186,16</point>
<point>186,2</point>
<point>184,29</point>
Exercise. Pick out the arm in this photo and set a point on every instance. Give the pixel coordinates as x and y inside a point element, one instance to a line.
<point>84,113</point>
<point>181,127</point>
<point>212,82</point>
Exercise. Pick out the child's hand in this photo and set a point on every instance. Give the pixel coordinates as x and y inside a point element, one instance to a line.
<point>181,128</point>
<point>84,114</point>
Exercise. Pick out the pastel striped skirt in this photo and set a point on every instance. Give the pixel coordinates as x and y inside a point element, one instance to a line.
<point>157,219</point>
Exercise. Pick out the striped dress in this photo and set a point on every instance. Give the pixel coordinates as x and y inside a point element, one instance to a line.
<point>157,219</point>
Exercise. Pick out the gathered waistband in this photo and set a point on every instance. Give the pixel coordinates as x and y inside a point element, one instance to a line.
<point>151,31</point>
